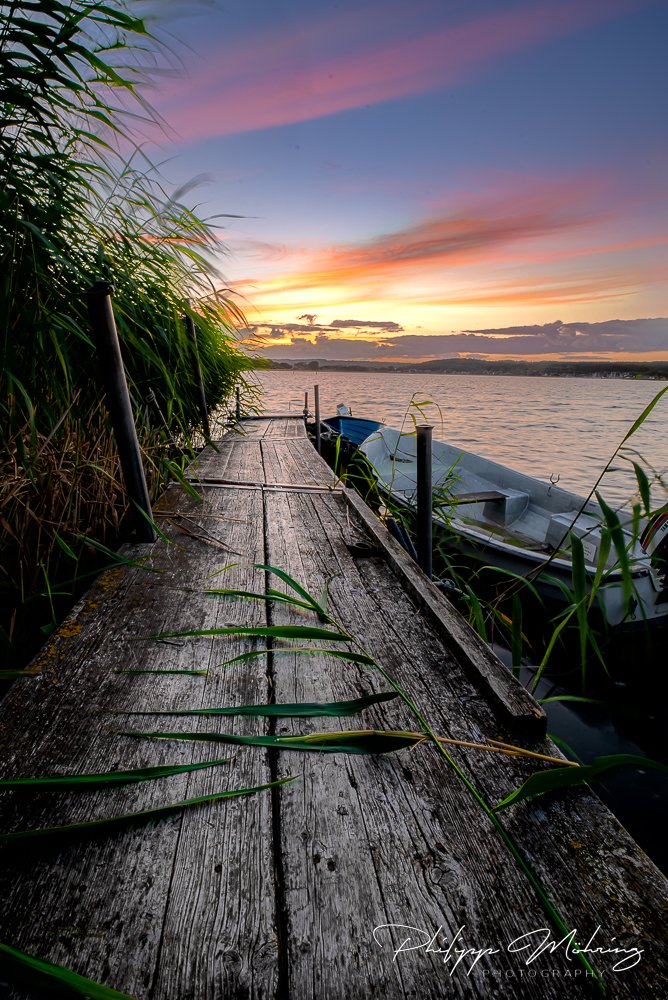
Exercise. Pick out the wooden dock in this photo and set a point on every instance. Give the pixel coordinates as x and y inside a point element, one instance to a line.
<point>330,887</point>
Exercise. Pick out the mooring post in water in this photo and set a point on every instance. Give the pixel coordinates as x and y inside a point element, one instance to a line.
<point>424,498</point>
<point>118,400</point>
<point>305,407</point>
<point>199,381</point>
<point>316,397</point>
<point>238,406</point>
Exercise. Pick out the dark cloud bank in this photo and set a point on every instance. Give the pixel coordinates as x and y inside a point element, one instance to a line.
<point>315,340</point>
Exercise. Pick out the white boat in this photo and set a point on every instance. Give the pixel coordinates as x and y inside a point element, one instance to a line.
<point>509,520</point>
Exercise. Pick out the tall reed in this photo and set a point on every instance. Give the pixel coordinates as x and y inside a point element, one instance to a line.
<point>79,201</point>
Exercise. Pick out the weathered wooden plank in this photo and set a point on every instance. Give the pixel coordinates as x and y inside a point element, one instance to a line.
<point>498,684</point>
<point>368,842</point>
<point>295,460</point>
<point>104,907</point>
<point>279,895</point>
<point>410,828</point>
<point>219,936</point>
<point>586,860</point>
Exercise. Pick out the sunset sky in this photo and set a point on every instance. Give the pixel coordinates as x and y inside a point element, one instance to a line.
<point>431,178</point>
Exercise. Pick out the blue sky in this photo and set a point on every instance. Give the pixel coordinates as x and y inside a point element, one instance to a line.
<point>427,169</point>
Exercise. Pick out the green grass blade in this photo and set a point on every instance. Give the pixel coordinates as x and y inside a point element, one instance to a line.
<point>249,595</point>
<point>617,535</point>
<point>644,415</point>
<point>579,578</point>
<point>265,632</point>
<point>366,741</point>
<point>478,618</point>
<point>518,577</point>
<point>554,638</point>
<point>114,823</point>
<point>601,563</point>
<point>643,487</point>
<point>297,587</point>
<point>296,710</point>
<point>516,634</point>
<point>116,558</point>
<point>340,654</point>
<point>567,777</point>
<point>27,970</point>
<point>107,779</point>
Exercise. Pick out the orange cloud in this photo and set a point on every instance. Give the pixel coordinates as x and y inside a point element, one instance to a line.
<point>537,243</point>
<point>265,83</point>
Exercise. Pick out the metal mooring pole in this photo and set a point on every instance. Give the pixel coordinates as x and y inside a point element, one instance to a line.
<point>424,499</point>
<point>316,397</point>
<point>118,400</point>
<point>199,381</point>
<point>305,407</point>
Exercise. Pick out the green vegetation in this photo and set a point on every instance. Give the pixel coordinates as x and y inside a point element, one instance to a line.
<point>79,202</point>
<point>506,607</point>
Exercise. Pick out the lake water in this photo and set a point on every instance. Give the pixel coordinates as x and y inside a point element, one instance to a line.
<point>566,427</point>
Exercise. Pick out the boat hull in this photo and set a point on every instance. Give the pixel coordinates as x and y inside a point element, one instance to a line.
<point>353,429</point>
<point>515,523</point>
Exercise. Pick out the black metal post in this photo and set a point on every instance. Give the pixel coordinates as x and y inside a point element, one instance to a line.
<point>305,407</point>
<point>316,396</point>
<point>238,408</point>
<point>118,400</point>
<point>424,499</point>
<point>199,381</point>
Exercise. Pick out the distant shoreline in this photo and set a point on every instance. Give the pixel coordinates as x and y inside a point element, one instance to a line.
<point>634,370</point>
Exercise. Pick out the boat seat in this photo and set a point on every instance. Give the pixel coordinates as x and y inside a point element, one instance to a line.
<point>585,526</point>
<point>507,507</point>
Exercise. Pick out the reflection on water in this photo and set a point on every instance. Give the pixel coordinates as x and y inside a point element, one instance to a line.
<point>566,427</point>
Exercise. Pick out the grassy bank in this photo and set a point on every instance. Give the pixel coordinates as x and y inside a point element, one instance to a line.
<point>79,203</point>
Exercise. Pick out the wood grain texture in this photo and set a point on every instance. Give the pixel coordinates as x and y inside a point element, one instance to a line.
<point>498,684</point>
<point>278,896</point>
<point>158,910</point>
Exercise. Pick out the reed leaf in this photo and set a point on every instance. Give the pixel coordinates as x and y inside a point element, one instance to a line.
<point>265,632</point>
<point>267,598</point>
<point>516,634</point>
<point>614,526</point>
<point>106,779</point>
<point>579,578</point>
<point>643,487</point>
<point>341,654</point>
<point>601,563</point>
<point>306,710</point>
<point>568,777</point>
<point>26,970</point>
<point>297,587</point>
<point>366,741</point>
<point>114,823</point>
<point>643,416</point>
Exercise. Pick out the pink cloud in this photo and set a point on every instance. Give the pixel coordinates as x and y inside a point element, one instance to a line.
<point>267,83</point>
<point>534,243</point>
<point>479,231</point>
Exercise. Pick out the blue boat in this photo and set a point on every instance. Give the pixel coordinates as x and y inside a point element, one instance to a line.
<point>353,429</point>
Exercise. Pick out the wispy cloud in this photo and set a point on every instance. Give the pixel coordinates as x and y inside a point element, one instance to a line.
<point>527,243</point>
<point>264,83</point>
